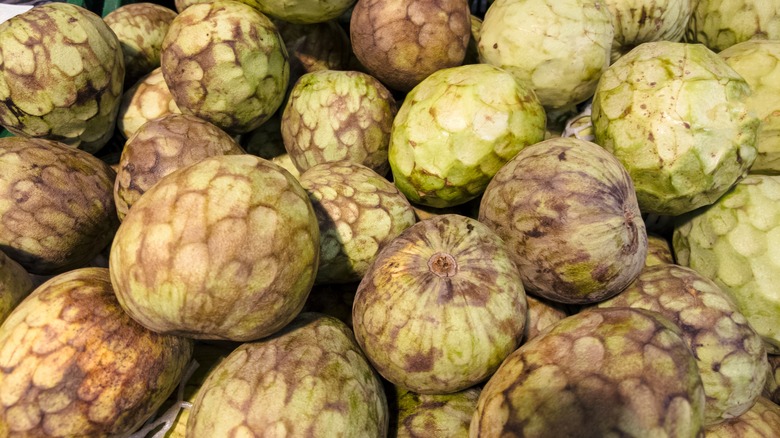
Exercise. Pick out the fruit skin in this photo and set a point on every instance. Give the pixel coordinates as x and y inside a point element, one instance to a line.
<point>456,128</point>
<point>226,248</point>
<point>618,371</point>
<point>401,42</point>
<point>734,242</point>
<point>72,363</point>
<point>15,285</point>
<point>225,62</point>
<point>560,47</point>
<point>675,115</point>
<point>567,210</point>
<point>441,306</point>
<point>659,250</point>
<point>162,146</point>
<point>730,355</point>
<point>147,100</point>
<point>720,24</point>
<point>423,416</point>
<point>61,75</point>
<point>772,387</point>
<point>757,62</point>
<point>642,21</point>
<point>338,115</point>
<point>310,379</point>
<point>358,212</point>
<point>761,421</point>
<point>56,204</point>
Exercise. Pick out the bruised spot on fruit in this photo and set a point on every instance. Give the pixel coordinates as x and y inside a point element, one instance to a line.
<point>443,265</point>
<point>422,361</point>
<point>562,156</point>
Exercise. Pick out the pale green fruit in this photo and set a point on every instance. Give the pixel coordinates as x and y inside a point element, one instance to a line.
<point>759,63</point>
<point>761,421</point>
<point>735,242</point>
<point>720,24</point>
<point>456,128</point>
<point>560,47</point>
<point>676,116</point>
<point>642,21</point>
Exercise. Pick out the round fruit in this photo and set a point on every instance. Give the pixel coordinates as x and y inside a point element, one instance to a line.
<point>147,100</point>
<point>15,285</point>
<point>720,24</point>
<point>642,21</point>
<point>425,415</point>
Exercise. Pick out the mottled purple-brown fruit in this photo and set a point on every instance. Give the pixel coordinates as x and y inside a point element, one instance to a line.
<point>72,363</point>
<point>15,285</point>
<point>601,372</point>
<point>162,146</point>
<point>335,300</point>
<point>541,314</point>
<point>56,204</point>
<point>310,380</point>
<point>568,212</point>
<point>659,250</point>
<point>338,115</point>
<point>61,75</point>
<point>761,421</point>
<point>266,142</point>
<point>140,28</point>
<point>435,416</point>
<point>731,356</point>
<point>441,306</point>
<point>359,212</point>
<point>314,47</point>
<point>772,386</point>
<point>225,62</point>
<point>147,100</point>
<point>226,248</point>
<point>401,42</point>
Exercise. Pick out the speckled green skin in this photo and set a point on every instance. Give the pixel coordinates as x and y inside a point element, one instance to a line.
<point>719,24</point>
<point>15,284</point>
<point>147,100</point>
<point>61,75</point>
<point>57,208</point>
<point>457,128</point>
<point>73,364</point>
<point>566,209</point>
<point>758,62</point>
<point>731,356</point>
<point>735,242</point>
<point>310,380</point>
<point>560,47</point>
<point>225,62</point>
<point>761,421</point>
<point>226,248</point>
<point>659,250</point>
<point>676,116</point>
<point>641,21</point>
<point>427,416</point>
<point>601,372</point>
<point>293,11</point>
<point>441,306</point>
<point>359,212</point>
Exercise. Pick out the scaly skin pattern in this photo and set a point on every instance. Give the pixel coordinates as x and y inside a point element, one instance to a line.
<point>147,100</point>
<point>772,386</point>
<point>567,210</point>
<point>457,128</point>
<point>758,62</point>
<point>731,356</point>
<point>73,364</point>
<point>401,42</point>
<point>642,21</point>
<point>541,314</point>
<point>734,242</point>
<point>162,146</point>
<point>441,306</point>
<point>720,24</point>
<point>314,47</point>
<point>601,372</point>
<point>425,416</point>
<point>15,285</point>
<point>676,116</point>
<point>659,250</point>
<point>359,212</point>
<point>140,28</point>
<point>226,248</point>
<point>56,205</point>
<point>61,76</point>
<point>338,115</point>
<point>311,379</point>
<point>225,62</point>
<point>761,421</point>
<point>559,47</point>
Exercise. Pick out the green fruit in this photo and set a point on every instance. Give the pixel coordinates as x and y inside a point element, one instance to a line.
<point>457,128</point>
<point>423,416</point>
<point>441,306</point>
<point>601,372</point>
<point>659,250</point>
<point>541,314</point>
<point>761,421</point>
<point>57,207</point>
<point>772,386</point>
<point>567,210</point>
<point>61,75</point>
<point>642,21</point>
<point>226,248</point>
<point>225,62</point>
<point>15,285</point>
<point>676,116</point>
<point>735,242</point>
<point>72,363</point>
<point>720,24</point>
<point>147,100</point>
<point>310,380</point>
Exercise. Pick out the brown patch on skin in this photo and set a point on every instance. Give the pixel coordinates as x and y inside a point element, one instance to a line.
<point>443,265</point>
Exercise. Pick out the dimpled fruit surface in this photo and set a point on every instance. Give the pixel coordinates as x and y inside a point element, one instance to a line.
<point>226,248</point>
